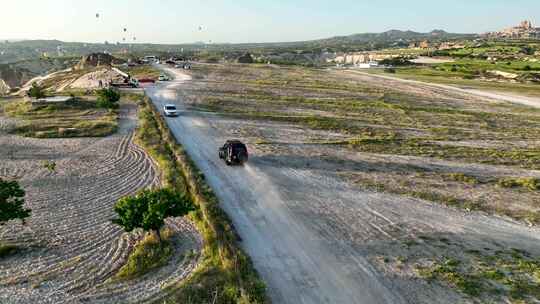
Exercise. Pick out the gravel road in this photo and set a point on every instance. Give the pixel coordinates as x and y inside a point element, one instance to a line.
<point>308,231</point>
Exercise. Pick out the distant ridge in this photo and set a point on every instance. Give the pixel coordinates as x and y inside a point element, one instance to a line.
<point>398,35</point>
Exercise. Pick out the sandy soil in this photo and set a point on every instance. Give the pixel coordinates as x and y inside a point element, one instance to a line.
<point>431,60</point>
<point>69,247</point>
<point>91,80</point>
<point>313,235</point>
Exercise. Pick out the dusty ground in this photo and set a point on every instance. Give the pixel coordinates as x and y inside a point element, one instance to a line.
<point>318,224</point>
<point>69,248</point>
<point>466,92</point>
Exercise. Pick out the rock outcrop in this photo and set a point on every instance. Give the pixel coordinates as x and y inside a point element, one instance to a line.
<point>13,76</point>
<point>4,88</point>
<point>97,60</point>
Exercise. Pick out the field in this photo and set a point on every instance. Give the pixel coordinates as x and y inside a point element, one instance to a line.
<point>142,71</point>
<point>69,251</point>
<point>77,118</point>
<point>476,73</point>
<point>376,120</point>
<point>400,146</point>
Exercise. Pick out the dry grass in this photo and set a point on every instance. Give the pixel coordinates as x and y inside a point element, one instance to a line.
<point>149,253</point>
<point>78,118</point>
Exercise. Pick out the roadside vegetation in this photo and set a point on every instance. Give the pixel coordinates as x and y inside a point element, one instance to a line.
<point>107,98</point>
<point>78,117</point>
<point>225,274</point>
<point>150,253</point>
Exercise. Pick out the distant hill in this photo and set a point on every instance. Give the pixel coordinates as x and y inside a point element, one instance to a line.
<point>32,49</point>
<point>395,36</point>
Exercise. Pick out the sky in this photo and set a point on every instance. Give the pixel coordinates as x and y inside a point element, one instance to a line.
<point>178,21</point>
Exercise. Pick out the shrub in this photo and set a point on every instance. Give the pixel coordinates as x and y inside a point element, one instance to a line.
<point>12,202</point>
<point>397,61</point>
<point>149,209</point>
<point>6,250</point>
<point>390,70</point>
<point>107,98</point>
<point>36,91</point>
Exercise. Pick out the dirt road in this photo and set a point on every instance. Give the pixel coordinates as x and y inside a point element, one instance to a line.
<point>508,97</point>
<point>310,234</point>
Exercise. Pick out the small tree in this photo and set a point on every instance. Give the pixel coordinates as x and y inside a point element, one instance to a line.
<point>148,209</point>
<point>12,202</point>
<point>49,165</point>
<point>36,91</point>
<point>107,98</point>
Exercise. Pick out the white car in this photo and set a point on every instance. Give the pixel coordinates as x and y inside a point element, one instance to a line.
<point>170,110</point>
<point>163,78</point>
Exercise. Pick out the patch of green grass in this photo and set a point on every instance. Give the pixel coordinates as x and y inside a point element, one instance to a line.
<point>529,183</point>
<point>464,178</point>
<point>142,71</point>
<point>75,118</point>
<point>148,254</point>
<point>7,250</point>
<point>505,274</point>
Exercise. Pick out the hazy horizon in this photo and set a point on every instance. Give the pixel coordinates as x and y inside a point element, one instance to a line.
<point>172,22</point>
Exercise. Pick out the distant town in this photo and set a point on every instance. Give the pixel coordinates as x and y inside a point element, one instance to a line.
<point>524,30</point>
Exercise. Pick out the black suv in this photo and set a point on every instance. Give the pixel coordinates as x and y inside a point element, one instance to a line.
<point>234,152</point>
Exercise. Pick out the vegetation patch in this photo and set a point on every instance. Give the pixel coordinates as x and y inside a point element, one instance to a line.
<point>529,183</point>
<point>150,253</point>
<point>225,273</point>
<point>142,71</point>
<point>75,118</point>
<point>502,275</point>
<point>7,250</point>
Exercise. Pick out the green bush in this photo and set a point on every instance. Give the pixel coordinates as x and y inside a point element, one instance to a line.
<point>6,250</point>
<point>108,98</point>
<point>36,91</point>
<point>12,202</point>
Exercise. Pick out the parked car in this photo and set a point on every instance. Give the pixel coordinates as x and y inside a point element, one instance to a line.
<point>170,110</point>
<point>146,80</point>
<point>163,78</point>
<point>234,152</point>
